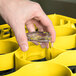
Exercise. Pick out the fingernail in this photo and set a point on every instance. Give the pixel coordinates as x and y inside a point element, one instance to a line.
<point>51,44</point>
<point>24,47</point>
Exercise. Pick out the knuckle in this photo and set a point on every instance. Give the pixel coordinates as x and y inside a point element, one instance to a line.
<point>37,5</point>
<point>37,9</point>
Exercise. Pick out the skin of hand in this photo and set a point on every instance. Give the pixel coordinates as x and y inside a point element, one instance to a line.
<point>18,13</point>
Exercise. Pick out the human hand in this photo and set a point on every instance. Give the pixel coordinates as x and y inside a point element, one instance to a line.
<point>18,13</point>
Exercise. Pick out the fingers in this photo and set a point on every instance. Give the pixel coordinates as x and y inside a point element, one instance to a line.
<point>46,22</point>
<point>38,25</point>
<point>49,27</point>
<point>19,30</point>
<point>52,32</point>
<point>40,28</point>
<point>30,26</point>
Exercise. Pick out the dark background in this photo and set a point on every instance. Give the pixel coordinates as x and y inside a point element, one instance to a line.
<point>64,7</point>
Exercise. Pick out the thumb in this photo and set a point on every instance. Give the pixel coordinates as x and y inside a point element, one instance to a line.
<point>19,30</point>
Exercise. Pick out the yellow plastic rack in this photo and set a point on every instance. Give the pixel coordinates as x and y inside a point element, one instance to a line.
<point>59,57</point>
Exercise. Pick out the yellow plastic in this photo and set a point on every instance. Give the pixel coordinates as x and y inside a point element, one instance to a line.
<point>4,28</point>
<point>60,20</point>
<point>7,49</point>
<point>62,43</point>
<point>43,69</point>
<point>35,52</point>
<point>67,58</point>
<point>6,33</point>
<point>58,56</point>
<point>65,39</point>
<point>65,42</point>
<point>54,52</point>
<point>64,31</point>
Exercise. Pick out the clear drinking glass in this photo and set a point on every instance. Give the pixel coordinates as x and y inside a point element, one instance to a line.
<point>41,37</point>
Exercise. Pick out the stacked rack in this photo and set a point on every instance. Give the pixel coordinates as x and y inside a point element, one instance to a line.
<point>56,59</point>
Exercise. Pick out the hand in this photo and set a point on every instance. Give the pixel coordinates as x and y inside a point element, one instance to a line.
<point>18,13</point>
